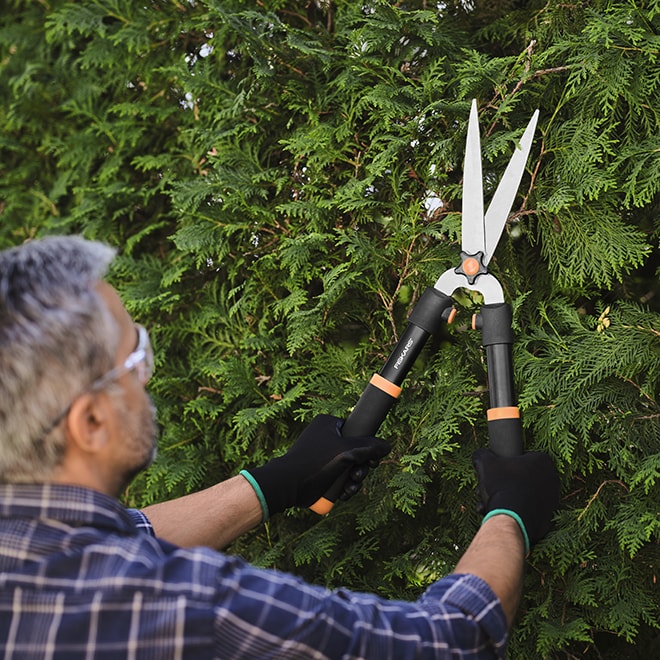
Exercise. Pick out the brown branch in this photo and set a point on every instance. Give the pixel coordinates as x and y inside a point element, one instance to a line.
<point>595,495</point>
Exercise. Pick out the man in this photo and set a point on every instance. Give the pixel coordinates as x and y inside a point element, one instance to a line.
<point>81,576</point>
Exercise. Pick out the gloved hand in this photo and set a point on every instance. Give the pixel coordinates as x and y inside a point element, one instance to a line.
<point>525,485</point>
<point>319,457</point>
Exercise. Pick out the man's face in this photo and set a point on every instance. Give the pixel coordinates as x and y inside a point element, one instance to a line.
<point>134,427</point>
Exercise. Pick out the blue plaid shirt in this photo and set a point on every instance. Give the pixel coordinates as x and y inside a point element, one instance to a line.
<point>80,579</point>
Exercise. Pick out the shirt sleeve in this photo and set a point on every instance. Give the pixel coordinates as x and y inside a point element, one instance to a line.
<point>473,597</point>
<point>271,614</point>
<point>141,521</point>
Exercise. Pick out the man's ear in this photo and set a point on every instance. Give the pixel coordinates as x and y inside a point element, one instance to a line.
<point>87,422</point>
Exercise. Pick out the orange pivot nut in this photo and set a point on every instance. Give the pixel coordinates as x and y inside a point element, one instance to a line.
<point>471,266</point>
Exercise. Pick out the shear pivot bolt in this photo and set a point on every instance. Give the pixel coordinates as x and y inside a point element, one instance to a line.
<point>471,266</point>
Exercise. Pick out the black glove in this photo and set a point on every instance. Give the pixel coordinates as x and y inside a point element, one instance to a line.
<point>526,485</point>
<point>319,457</point>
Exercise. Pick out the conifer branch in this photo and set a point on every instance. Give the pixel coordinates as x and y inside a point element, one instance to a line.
<point>265,267</point>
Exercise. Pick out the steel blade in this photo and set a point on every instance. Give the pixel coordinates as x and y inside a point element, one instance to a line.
<point>487,286</point>
<point>472,226</point>
<point>500,205</point>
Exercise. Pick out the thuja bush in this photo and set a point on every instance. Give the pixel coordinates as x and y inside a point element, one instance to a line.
<point>282,181</point>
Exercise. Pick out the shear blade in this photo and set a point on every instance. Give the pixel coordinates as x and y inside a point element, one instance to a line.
<point>500,205</point>
<point>472,225</point>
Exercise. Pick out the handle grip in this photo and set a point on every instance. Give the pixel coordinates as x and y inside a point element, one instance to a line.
<point>365,419</point>
<point>505,435</point>
<point>372,407</point>
<point>384,388</point>
<point>504,425</point>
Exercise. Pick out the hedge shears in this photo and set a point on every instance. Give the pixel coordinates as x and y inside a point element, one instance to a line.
<point>480,234</point>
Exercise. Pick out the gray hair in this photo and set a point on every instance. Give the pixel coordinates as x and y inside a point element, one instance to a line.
<point>56,337</point>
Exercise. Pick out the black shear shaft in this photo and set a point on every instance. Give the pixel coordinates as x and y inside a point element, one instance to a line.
<point>504,425</point>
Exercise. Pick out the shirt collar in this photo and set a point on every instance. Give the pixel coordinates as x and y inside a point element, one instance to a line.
<point>73,505</point>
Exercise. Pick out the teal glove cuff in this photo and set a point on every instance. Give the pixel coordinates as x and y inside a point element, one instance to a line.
<point>260,496</point>
<point>516,517</point>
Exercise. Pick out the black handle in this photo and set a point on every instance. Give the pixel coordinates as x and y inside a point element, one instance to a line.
<point>504,425</point>
<point>381,393</point>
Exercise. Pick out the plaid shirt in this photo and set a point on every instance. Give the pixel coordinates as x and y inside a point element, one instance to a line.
<point>80,579</point>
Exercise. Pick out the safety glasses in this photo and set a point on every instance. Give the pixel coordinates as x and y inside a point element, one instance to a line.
<point>141,360</point>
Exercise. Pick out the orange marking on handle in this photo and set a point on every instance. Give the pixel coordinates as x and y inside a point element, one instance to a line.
<point>322,506</point>
<point>383,384</point>
<point>471,266</point>
<point>506,412</point>
<point>452,315</point>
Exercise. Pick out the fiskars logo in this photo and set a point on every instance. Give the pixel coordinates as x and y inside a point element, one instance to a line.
<point>406,348</point>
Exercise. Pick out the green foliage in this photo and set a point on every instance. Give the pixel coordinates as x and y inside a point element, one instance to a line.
<point>266,171</point>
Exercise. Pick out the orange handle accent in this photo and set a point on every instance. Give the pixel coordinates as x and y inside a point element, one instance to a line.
<point>507,412</point>
<point>383,384</point>
<point>322,506</point>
